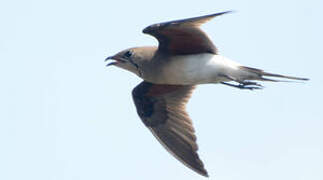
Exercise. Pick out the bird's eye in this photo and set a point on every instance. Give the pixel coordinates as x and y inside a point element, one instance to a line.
<point>128,54</point>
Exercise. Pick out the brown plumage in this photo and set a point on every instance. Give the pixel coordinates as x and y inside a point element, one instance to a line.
<point>182,37</point>
<point>162,110</point>
<point>184,58</point>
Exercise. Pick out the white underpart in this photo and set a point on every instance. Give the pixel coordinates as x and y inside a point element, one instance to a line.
<point>200,69</point>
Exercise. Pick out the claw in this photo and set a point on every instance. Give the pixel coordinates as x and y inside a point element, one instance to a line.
<point>245,85</point>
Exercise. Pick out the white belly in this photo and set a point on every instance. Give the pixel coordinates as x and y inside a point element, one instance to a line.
<point>197,69</point>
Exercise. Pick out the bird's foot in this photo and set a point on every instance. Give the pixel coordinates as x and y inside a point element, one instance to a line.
<point>245,85</point>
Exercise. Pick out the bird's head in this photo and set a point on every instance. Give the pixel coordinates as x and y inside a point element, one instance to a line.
<point>132,59</point>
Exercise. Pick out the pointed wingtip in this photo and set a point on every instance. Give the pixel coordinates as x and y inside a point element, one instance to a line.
<point>198,169</point>
<point>224,12</point>
<point>227,12</point>
<point>204,173</point>
<point>305,79</point>
<point>153,27</point>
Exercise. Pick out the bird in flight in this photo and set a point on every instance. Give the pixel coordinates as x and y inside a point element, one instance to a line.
<point>184,58</point>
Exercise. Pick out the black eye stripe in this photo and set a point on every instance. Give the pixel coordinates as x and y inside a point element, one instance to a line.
<point>133,63</point>
<point>136,65</point>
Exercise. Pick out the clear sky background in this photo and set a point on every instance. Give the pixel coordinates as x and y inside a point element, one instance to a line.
<point>65,116</point>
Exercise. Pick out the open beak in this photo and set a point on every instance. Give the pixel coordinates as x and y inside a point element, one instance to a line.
<point>115,59</point>
<point>110,57</point>
<point>111,63</point>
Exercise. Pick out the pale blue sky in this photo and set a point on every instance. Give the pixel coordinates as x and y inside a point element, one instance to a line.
<point>65,116</point>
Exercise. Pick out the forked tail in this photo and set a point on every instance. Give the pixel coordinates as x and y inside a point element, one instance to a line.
<point>262,75</point>
<point>257,74</point>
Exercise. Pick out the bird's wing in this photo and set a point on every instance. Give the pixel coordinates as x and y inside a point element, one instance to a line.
<point>162,109</point>
<point>184,36</point>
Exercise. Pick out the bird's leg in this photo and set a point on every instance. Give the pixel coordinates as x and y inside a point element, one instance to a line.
<point>243,84</point>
